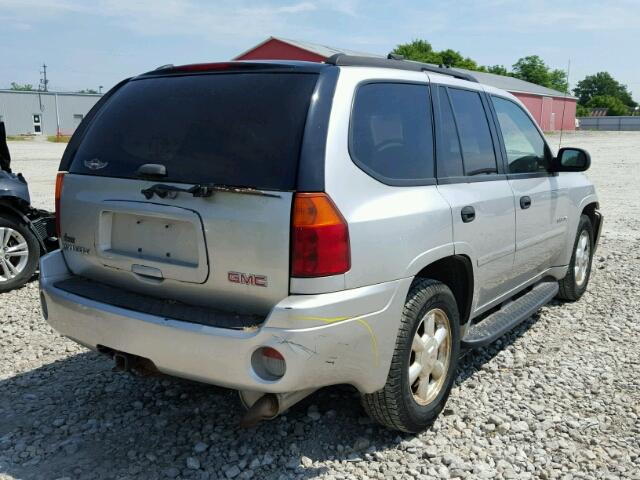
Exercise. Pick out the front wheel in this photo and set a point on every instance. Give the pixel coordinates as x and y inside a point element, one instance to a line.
<point>19,254</point>
<point>574,284</point>
<point>424,363</point>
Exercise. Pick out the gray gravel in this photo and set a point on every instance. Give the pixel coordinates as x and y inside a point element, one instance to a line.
<point>559,397</point>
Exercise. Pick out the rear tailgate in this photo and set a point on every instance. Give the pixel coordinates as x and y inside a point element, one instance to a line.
<point>229,250</point>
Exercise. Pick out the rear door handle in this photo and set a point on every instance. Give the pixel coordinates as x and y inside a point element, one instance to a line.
<point>525,202</point>
<point>468,214</point>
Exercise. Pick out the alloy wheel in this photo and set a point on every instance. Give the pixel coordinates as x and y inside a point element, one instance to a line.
<point>14,253</point>
<point>582,258</point>
<point>430,356</point>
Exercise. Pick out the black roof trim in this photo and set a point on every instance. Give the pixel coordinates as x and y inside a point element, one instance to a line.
<point>342,60</point>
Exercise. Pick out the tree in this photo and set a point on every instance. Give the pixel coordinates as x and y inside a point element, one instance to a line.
<point>422,51</point>
<point>418,50</point>
<point>498,70</point>
<point>27,87</point>
<point>602,84</point>
<point>614,105</point>
<point>88,90</point>
<point>533,69</point>
<point>582,111</point>
<point>558,80</point>
<point>453,58</point>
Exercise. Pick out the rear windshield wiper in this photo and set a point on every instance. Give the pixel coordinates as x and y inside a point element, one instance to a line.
<point>200,190</point>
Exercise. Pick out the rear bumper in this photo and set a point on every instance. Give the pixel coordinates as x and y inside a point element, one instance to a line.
<point>342,337</point>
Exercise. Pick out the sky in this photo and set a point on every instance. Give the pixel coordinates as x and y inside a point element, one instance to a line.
<point>92,43</point>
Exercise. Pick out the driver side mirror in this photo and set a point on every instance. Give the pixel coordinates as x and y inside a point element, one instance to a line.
<point>571,160</point>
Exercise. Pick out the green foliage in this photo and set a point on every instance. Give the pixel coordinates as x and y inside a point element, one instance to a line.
<point>422,51</point>
<point>614,105</point>
<point>88,90</point>
<point>453,58</point>
<point>59,138</point>
<point>582,111</point>
<point>498,70</point>
<point>26,87</point>
<point>602,84</point>
<point>558,80</point>
<point>533,69</point>
<point>418,50</point>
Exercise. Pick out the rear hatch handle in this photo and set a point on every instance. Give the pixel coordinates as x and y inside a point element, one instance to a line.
<point>200,190</point>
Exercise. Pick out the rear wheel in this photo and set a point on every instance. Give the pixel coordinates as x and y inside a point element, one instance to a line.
<point>424,363</point>
<point>574,284</point>
<point>19,254</point>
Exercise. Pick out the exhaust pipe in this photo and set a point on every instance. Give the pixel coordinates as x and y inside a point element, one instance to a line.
<point>266,406</point>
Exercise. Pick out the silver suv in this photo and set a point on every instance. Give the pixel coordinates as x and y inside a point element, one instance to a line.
<point>276,227</point>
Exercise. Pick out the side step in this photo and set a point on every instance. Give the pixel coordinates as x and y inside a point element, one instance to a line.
<point>510,315</point>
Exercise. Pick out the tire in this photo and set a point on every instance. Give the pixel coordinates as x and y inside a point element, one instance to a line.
<point>574,284</point>
<point>397,405</point>
<point>15,272</point>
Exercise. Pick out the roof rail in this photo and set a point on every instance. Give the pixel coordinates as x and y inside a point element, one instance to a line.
<point>394,61</point>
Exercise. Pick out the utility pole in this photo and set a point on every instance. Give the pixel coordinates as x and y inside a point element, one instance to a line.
<point>100,89</point>
<point>44,83</point>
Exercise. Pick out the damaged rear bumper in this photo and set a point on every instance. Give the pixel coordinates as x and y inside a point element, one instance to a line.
<point>333,338</point>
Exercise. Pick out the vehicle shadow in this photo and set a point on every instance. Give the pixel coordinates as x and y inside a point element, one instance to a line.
<point>78,418</point>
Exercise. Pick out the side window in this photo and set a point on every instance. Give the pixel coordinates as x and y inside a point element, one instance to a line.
<point>475,137</point>
<point>526,150</point>
<point>391,131</point>
<point>448,144</point>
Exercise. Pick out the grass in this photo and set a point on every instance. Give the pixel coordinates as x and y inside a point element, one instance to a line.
<point>18,138</point>
<point>59,138</point>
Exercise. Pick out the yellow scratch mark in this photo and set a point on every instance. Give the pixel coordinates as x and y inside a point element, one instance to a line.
<point>372,335</point>
<point>374,342</point>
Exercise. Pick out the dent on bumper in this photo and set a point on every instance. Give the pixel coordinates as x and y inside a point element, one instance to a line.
<point>341,337</point>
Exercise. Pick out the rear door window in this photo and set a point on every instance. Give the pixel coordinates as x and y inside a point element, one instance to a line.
<point>241,129</point>
<point>391,135</point>
<point>478,153</point>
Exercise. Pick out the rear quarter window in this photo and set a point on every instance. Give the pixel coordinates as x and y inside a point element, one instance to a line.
<point>241,129</point>
<point>391,135</point>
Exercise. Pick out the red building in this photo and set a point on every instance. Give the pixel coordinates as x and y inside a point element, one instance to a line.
<point>548,107</point>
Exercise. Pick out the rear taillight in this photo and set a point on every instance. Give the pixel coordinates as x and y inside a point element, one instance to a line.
<point>59,181</point>
<point>319,237</point>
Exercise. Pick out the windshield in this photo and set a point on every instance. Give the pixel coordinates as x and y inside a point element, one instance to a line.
<point>242,129</point>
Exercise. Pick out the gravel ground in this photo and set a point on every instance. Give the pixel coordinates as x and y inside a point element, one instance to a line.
<point>559,397</point>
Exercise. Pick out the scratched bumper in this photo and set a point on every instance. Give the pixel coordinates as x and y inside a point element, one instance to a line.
<point>343,337</point>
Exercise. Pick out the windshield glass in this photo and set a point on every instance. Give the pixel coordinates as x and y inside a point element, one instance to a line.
<point>241,129</point>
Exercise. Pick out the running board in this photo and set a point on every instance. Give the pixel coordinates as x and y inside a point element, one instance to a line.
<point>510,315</point>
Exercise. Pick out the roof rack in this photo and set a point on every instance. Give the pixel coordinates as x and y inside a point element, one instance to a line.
<point>394,61</point>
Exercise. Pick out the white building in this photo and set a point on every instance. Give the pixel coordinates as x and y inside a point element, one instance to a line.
<point>44,113</point>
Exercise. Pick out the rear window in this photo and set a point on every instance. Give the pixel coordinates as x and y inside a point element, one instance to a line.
<point>233,129</point>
